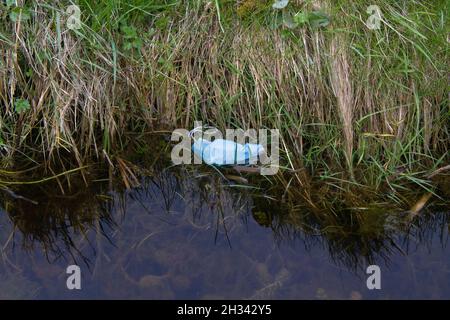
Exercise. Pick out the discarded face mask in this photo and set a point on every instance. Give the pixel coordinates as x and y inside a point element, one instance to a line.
<point>226,152</point>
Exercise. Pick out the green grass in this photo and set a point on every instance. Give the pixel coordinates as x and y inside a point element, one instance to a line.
<point>351,103</point>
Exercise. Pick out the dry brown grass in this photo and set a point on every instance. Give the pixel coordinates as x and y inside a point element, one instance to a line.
<point>337,96</point>
<point>343,91</point>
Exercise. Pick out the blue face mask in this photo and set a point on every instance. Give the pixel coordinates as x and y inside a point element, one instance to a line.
<point>225,152</point>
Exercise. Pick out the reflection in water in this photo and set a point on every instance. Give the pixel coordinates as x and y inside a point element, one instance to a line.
<point>195,234</point>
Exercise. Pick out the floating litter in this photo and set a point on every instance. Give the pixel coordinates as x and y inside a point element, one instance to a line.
<point>221,152</point>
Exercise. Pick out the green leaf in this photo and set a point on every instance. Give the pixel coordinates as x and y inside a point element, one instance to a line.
<point>21,105</point>
<point>315,19</point>
<point>162,23</point>
<point>19,13</point>
<point>127,46</point>
<point>288,21</point>
<point>129,32</point>
<point>10,3</point>
<point>318,19</point>
<point>137,43</point>
<point>301,18</point>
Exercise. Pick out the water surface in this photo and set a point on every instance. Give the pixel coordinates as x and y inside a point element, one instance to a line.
<point>195,235</point>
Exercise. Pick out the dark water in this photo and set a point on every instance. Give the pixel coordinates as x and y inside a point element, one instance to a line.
<point>194,235</point>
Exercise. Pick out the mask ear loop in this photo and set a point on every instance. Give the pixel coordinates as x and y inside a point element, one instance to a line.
<point>193,131</point>
<point>199,129</point>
